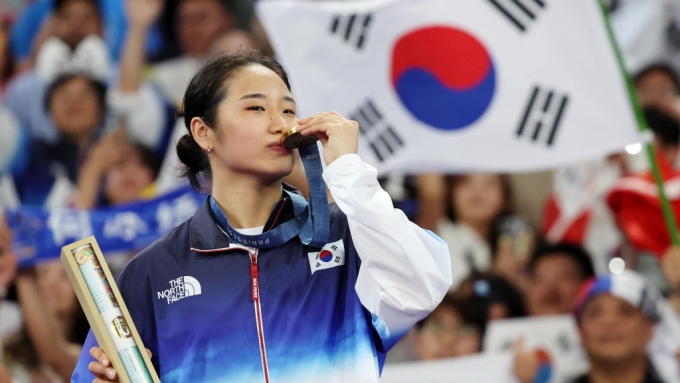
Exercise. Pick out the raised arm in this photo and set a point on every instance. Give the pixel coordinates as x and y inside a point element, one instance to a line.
<point>405,270</point>
<point>140,106</point>
<point>51,345</point>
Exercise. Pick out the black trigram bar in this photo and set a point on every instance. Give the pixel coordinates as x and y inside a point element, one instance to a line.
<point>386,144</point>
<point>382,138</point>
<point>352,28</point>
<point>519,12</point>
<point>545,108</point>
<point>367,115</point>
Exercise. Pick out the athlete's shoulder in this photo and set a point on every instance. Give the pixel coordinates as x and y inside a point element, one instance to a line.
<point>168,246</point>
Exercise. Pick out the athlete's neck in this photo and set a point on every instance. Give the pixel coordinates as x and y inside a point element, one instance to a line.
<point>246,201</point>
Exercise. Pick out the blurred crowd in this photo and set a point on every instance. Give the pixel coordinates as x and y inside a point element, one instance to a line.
<point>90,92</point>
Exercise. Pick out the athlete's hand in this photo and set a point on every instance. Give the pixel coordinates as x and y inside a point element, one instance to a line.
<point>338,135</point>
<point>102,369</point>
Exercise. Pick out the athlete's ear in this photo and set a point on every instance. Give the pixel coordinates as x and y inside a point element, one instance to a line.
<point>202,133</point>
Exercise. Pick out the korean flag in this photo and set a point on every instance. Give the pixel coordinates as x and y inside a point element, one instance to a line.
<point>459,85</point>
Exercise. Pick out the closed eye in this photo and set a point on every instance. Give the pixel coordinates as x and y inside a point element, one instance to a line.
<point>289,111</point>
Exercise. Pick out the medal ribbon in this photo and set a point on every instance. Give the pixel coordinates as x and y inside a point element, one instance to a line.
<point>311,222</point>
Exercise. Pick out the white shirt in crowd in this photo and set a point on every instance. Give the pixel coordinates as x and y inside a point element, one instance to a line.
<point>469,251</point>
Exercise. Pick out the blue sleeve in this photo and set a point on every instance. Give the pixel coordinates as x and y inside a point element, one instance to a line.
<point>115,24</point>
<point>26,28</point>
<point>81,373</point>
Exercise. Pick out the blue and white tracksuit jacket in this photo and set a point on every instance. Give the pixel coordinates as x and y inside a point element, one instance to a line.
<point>214,311</point>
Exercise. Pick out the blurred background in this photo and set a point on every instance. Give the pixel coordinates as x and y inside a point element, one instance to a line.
<point>90,91</point>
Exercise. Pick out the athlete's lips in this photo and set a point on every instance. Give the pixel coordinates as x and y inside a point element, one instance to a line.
<point>276,146</point>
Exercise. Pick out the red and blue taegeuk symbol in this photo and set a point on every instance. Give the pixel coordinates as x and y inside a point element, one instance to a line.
<point>326,255</point>
<point>544,367</point>
<point>444,76</point>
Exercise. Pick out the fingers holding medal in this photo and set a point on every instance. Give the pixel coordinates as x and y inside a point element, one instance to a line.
<point>338,135</point>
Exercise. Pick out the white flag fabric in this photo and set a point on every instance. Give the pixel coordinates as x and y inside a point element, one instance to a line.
<point>459,85</point>
<point>647,31</point>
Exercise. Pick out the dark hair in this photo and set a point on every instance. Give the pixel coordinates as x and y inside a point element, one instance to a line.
<point>665,127</point>
<point>98,86</point>
<point>205,93</point>
<point>149,158</point>
<point>60,4</point>
<point>457,304</point>
<point>454,180</point>
<point>575,252</point>
<point>658,67</point>
<point>482,290</point>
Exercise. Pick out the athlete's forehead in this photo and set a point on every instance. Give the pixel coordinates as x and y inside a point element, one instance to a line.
<point>257,80</point>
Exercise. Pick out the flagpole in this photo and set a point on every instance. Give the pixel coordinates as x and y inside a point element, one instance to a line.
<point>668,215</point>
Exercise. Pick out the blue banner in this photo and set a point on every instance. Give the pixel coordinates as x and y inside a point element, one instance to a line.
<point>40,234</point>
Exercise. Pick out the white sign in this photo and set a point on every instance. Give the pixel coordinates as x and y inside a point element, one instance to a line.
<point>470,369</point>
<point>555,338</point>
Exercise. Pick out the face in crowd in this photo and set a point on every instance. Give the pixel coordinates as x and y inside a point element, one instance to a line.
<point>127,178</point>
<point>478,198</point>
<point>613,330</point>
<point>199,23</point>
<point>444,334</point>
<point>76,107</point>
<point>555,281</point>
<point>74,20</point>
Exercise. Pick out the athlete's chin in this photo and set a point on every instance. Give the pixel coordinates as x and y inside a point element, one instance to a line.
<point>276,170</point>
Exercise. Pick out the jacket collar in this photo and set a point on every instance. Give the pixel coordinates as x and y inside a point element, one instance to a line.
<point>206,237</point>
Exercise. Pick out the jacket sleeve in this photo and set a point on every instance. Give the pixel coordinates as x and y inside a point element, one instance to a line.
<point>405,270</point>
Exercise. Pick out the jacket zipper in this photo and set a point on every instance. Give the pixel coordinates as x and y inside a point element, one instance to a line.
<point>255,294</point>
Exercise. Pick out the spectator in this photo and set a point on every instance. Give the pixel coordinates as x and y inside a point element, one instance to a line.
<point>199,23</point>
<point>555,274</point>
<point>78,102</point>
<point>447,332</point>
<point>479,211</point>
<point>26,94</point>
<point>72,22</point>
<point>120,168</point>
<point>616,315</point>
<point>489,298</point>
<point>657,84</point>
<point>666,129</point>
<point>47,348</point>
<point>43,19</point>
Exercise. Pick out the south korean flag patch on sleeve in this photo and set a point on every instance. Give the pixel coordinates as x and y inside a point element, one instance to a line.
<point>331,255</point>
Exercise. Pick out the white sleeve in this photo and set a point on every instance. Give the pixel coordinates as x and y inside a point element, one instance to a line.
<point>405,270</point>
<point>143,111</point>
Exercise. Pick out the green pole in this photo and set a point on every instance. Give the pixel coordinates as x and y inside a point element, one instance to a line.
<point>669,217</point>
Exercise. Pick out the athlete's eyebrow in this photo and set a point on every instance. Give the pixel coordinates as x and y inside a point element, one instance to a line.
<point>260,95</point>
<point>253,95</point>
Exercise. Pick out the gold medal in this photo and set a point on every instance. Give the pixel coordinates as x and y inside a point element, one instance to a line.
<point>291,139</point>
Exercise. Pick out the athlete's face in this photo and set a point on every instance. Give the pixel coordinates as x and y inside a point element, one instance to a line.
<point>258,108</point>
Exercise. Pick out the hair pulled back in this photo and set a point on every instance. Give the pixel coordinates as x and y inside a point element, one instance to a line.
<point>203,96</point>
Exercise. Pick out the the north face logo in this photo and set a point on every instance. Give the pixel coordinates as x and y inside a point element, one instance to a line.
<point>181,288</point>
